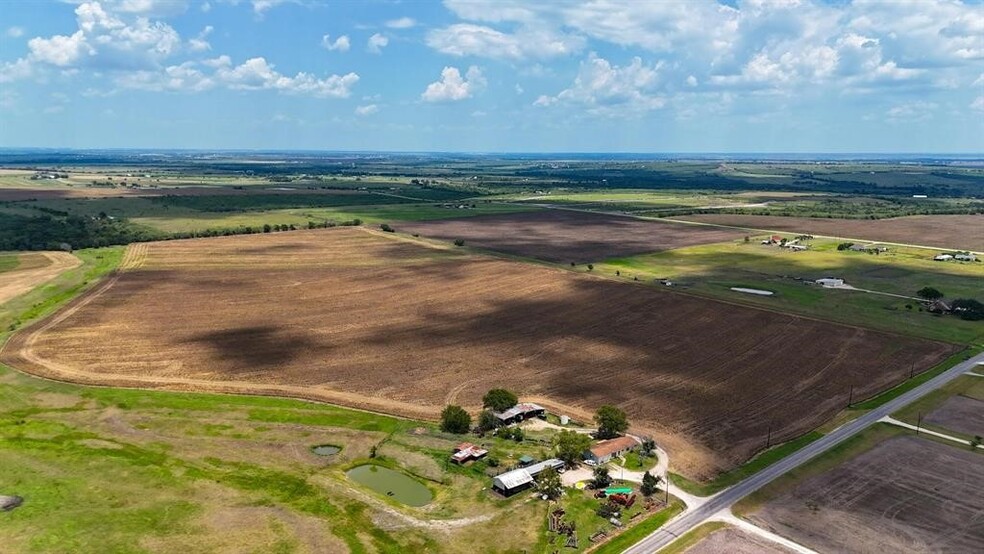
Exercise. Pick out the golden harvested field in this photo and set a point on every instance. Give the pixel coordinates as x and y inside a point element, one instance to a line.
<point>33,269</point>
<point>372,320</point>
<point>941,231</point>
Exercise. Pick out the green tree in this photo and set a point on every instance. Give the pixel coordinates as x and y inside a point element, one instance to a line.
<point>611,421</point>
<point>649,484</point>
<point>548,483</point>
<point>648,447</point>
<point>487,421</point>
<point>929,293</point>
<point>459,242</point>
<point>499,400</point>
<point>386,227</point>
<point>601,478</point>
<point>570,446</point>
<point>968,309</point>
<point>454,419</point>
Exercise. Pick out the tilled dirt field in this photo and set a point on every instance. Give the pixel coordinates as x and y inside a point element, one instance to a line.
<point>906,494</point>
<point>961,414</point>
<point>569,236</point>
<point>735,541</point>
<point>941,231</point>
<point>370,320</point>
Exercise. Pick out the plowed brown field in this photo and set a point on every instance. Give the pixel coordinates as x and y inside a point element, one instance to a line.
<point>941,231</point>
<point>907,494</point>
<point>570,236</point>
<point>371,320</point>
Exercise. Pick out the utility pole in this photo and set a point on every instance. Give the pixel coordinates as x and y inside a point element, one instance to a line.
<point>850,399</point>
<point>666,485</point>
<point>912,370</point>
<point>918,423</point>
<point>768,440</point>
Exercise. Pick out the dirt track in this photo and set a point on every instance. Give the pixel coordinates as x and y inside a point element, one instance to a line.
<point>368,320</point>
<point>35,269</point>
<point>569,236</point>
<point>906,494</point>
<point>941,231</point>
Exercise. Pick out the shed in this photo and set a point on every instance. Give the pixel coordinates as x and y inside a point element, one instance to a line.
<point>513,481</point>
<point>520,412</point>
<point>830,282</point>
<point>943,257</point>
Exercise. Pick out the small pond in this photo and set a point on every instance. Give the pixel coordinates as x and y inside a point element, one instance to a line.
<point>326,450</point>
<point>399,486</point>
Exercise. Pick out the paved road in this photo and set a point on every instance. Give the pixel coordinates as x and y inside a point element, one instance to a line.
<point>692,518</point>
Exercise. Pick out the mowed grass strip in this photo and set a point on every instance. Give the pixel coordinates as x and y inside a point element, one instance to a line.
<point>375,321</point>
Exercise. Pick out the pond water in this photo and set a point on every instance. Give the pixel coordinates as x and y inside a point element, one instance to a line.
<point>326,450</point>
<point>397,485</point>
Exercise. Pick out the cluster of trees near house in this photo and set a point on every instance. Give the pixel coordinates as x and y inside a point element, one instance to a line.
<point>968,309</point>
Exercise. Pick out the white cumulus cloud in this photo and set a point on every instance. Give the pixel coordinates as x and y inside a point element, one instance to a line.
<point>368,109</point>
<point>605,89</point>
<point>402,23</point>
<point>376,43</point>
<point>341,43</point>
<point>453,87</point>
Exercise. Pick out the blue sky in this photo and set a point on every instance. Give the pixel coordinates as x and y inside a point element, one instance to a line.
<point>495,75</point>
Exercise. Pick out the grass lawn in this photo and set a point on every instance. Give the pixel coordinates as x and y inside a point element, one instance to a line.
<point>636,462</point>
<point>711,270</point>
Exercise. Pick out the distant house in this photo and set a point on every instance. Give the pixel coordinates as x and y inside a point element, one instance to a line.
<point>858,247</point>
<point>520,412</point>
<point>605,450</point>
<point>797,247</point>
<point>467,451</point>
<point>939,307</point>
<point>943,257</point>
<point>964,257</point>
<point>775,238</point>
<point>511,482</point>
<point>830,282</point>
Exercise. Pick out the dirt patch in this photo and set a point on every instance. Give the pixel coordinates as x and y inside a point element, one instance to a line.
<point>942,231</point>
<point>381,324</point>
<point>735,541</point>
<point>56,400</point>
<point>569,236</point>
<point>904,495</point>
<point>34,269</point>
<point>961,414</point>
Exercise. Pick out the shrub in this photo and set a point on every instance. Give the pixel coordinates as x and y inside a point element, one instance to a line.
<point>385,227</point>
<point>454,419</point>
<point>459,242</point>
